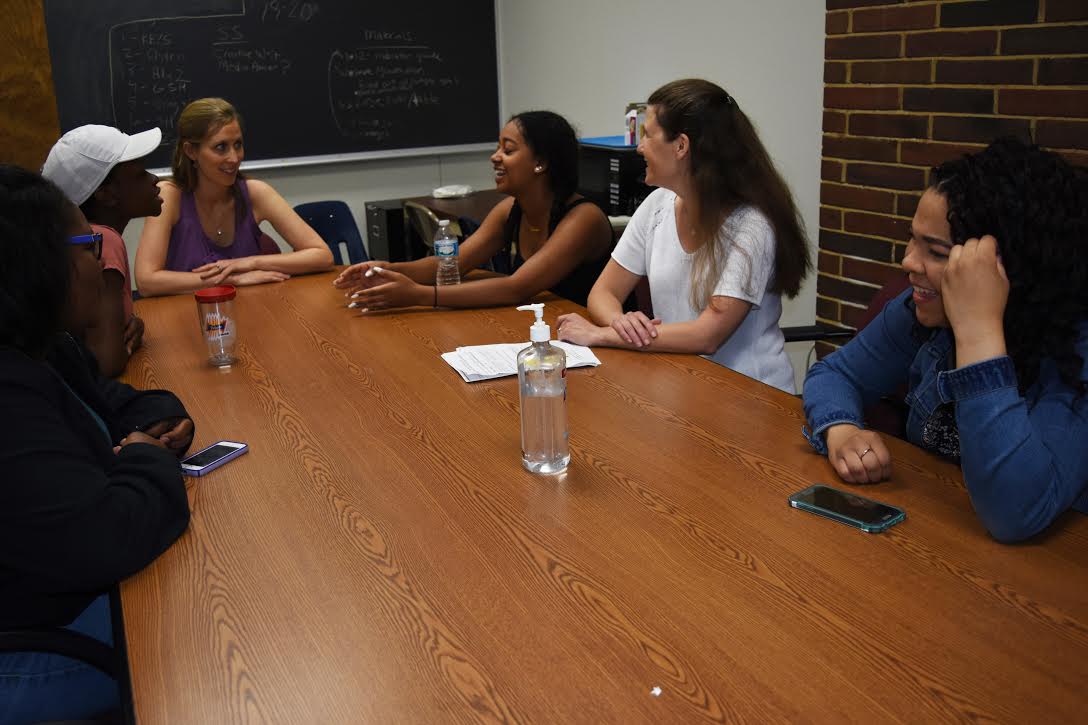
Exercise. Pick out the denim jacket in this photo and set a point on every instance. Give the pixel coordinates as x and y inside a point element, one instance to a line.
<point>1024,458</point>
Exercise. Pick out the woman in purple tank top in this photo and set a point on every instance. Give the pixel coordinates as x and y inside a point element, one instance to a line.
<point>209,230</point>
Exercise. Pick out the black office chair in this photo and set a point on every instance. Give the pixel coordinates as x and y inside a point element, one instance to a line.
<point>83,648</point>
<point>335,224</point>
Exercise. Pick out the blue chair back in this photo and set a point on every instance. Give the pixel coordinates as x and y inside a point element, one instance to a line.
<point>334,223</point>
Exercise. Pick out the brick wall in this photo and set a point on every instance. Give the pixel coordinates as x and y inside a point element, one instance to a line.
<point>910,83</point>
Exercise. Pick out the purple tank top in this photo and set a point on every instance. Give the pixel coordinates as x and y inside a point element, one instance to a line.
<point>190,246</point>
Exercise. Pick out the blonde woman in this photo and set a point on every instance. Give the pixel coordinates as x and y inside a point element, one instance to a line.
<point>720,242</point>
<point>209,230</point>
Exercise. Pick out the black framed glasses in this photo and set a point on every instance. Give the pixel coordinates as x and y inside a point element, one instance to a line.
<point>95,239</point>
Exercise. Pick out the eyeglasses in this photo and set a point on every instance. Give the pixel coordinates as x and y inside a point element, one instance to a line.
<point>95,239</point>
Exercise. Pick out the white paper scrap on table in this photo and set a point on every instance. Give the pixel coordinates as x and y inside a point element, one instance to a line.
<point>486,362</point>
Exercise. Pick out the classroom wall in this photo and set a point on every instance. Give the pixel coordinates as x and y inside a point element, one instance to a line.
<point>911,86</point>
<point>587,59</point>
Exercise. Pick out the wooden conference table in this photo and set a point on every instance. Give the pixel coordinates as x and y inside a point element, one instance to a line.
<point>381,556</point>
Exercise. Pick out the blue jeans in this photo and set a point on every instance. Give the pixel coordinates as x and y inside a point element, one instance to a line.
<point>36,686</point>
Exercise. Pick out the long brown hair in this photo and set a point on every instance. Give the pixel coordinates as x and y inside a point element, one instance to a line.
<point>729,168</point>
<point>200,118</point>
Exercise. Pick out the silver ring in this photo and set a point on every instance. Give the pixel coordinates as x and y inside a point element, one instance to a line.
<point>867,450</point>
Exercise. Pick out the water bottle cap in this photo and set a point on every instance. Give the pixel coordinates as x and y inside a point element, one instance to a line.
<point>444,223</point>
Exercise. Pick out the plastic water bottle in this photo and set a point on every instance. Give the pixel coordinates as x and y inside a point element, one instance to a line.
<point>542,383</point>
<point>445,248</point>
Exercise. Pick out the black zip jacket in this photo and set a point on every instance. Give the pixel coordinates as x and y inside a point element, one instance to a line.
<point>75,517</point>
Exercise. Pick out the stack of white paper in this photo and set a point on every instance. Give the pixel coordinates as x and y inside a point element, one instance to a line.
<point>484,362</point>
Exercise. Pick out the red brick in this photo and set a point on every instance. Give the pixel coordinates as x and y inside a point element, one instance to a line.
<point>853,197</point>
<point>978,72</point>
<point>897,125</point>
<point>868,98</point>
<point>1049,41</point>
<point>862,149</point>
<point>1063,71</point>
<point>834,122</point>
<point>856,245</point>
<point>840,4</point>
<point>931,154</point>
<point>831,170</point>
<point>827,309</point>
<point>878,225</point>
<point>915,17</point>
<point>834,72</point>
<point>949,100</point>
<point>979,129</point>
<point>853,315</point>
<point>862,46</point>
<point>841,289</point>
<point>989,12</point>
<point>836,23</point>
<point>891,71</point>
<point>828,262</point>
<point>823,349</point>
<point>971,42</point>
<point>906,204</point>
<point>1043,102</point>
<point>871,272</point>
<point>899,252</point>
<point>1064,10</point>
<point>1062,134</point>
<point>885,176</point>
<point>830,218</point>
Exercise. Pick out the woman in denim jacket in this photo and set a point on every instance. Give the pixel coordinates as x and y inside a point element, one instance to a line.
<point>991,341</point>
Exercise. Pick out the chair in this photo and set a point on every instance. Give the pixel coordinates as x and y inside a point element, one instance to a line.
<point>78,646</point>
<point>424,223</point>
<point>334,223</point>
<point>889,414</point>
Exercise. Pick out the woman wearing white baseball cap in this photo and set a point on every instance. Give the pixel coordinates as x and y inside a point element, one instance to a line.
<point>209,233</point>
<point>101,170</point>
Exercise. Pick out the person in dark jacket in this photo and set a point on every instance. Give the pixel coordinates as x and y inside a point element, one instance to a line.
<point>91,489</point>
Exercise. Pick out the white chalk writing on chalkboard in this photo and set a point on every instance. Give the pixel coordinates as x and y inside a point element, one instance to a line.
<point>389,72</point>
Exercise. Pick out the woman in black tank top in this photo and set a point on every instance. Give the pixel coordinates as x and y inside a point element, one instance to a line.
<point>546,237</point>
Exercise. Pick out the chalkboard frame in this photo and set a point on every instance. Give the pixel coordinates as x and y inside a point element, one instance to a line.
<point>374,154</point>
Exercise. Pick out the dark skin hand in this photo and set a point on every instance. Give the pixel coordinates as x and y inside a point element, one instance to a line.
<point>138,437</point>
<point>134,334</point>
<point>174,434</point>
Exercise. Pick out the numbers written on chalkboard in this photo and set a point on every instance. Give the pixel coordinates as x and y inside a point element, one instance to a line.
<point>298,10</point>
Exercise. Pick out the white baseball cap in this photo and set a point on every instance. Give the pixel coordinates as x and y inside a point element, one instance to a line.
<point>80,161</point>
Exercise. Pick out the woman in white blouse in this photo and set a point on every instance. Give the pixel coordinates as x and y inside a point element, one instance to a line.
<point>720,242</point>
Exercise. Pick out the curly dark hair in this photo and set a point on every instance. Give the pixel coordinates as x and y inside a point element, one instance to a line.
<point>35,267</point>
<point>1036,205</point>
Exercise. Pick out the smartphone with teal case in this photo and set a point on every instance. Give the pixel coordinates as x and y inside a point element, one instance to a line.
<point>857,511</point>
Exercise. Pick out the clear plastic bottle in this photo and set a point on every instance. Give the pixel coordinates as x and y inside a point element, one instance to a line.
<point>542,382</point>
<point>445,248</point>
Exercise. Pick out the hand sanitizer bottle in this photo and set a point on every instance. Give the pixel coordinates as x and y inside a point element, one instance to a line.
<point>542,382</point>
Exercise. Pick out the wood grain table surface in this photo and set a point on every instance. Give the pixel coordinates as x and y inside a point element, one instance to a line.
<point>381,556</point>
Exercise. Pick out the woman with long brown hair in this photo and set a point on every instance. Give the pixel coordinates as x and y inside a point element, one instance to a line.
<point>720,242</point>
<point>209,230</point>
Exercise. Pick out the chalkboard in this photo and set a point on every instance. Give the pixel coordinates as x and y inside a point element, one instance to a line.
<point>315,80</point>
